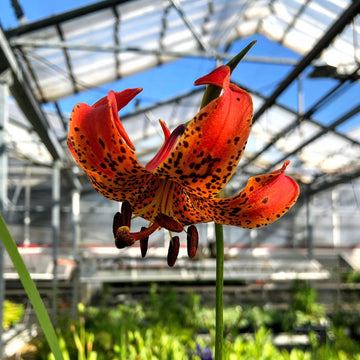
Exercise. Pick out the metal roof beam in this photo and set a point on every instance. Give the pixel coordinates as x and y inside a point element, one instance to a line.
<point>355,110</point>
<point>335,180</point>
<point>32,75</point>
<point>203,45</point>
<point>317,106</point>
<point>22,92</point>
<point>116,41</point>
<point>23,95</point>
<point>63,17</point>
<point>67,59</point>
<point>295,19</point>
<point>322,44</point>
<point>119,48</point>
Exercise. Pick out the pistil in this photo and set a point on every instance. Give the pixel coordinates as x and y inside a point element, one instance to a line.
<point>125,238</point>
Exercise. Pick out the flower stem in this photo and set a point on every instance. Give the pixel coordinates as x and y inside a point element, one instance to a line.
<point>211,93</point>
<point>219,332</point>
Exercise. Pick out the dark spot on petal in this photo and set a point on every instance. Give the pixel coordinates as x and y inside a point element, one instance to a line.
<point>101,143</point>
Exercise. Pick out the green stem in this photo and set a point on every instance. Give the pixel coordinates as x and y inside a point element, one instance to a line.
<point>31,290</point>
<point>211,93</point>
<point>219,332</point>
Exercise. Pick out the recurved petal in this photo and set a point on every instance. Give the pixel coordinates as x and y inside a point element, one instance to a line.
<point>96,140</point>
<point>213,142</point>
<point>122,98</point>
<point>264,200</point>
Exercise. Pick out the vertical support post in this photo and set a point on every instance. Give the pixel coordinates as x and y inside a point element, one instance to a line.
<point>75,250</point>
<point>336,222</point>
<point>55,222</point>
<point>4,115</point>
<point>27,217</point>
<point>309,228</point>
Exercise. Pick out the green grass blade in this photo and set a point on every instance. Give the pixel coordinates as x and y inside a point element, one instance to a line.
<point>30,289</point>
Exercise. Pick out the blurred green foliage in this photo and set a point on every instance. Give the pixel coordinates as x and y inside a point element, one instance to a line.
<point>167,326</point>
<point>13,313</point>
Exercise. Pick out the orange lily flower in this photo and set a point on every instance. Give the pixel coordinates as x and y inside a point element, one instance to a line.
<point>178,187</point>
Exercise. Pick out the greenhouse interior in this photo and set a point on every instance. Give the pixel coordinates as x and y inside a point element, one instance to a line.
<point>290,290</point>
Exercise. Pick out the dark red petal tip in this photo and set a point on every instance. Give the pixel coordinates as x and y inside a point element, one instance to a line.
<point>173,252</point>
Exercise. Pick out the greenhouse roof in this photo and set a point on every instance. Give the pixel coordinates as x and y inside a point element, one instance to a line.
<point>303,75</point>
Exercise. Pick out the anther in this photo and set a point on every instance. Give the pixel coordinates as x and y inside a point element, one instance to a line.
<point>122,218</point>
<point>192,241</point>
<point>168,223</point>
<point>126,213</point>
<point>117,222</point>
<point>173,251</point>
<point>144,244</point>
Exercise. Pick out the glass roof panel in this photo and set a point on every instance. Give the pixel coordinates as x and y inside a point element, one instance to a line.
<point>104,48</point>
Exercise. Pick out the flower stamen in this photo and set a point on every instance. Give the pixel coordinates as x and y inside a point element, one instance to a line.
<point>192,241</point>
<point>144,244</point>
<point>173,252</point>
<point>168,223</point>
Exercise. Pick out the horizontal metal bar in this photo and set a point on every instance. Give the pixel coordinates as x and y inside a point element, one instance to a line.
<point>63,17</point>
<point>354,111</point>
<point>329,35</point>
<point>157,52</point>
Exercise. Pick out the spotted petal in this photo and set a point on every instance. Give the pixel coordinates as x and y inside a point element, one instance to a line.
<point>100,145</point>
<point>210,148</point>
<point>264,200</point>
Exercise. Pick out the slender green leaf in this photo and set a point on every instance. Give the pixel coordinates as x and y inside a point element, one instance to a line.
<point>30,289</point>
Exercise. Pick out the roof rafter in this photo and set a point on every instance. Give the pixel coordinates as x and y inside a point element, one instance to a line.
<point>146,51</point>
<point>330,182</point>
<point>63,17</point>
<point>316,107</point>
<point>355,110</point>
<point>322,44</point>
<point>200,40</point>
<point>23,94</point>
<point>67,59</point>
